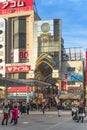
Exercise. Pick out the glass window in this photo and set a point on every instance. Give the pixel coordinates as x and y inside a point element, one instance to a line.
<point>22,23</point>
<point>16,26</point>
<point>70,69</point>
<point>19,29</point>
<point>22,41</point>
<point>70,82</point>
<point>15,75</point>
<point>16,41</point>
<point>22,75</point>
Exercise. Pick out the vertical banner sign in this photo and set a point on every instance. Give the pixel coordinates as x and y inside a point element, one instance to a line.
<point>86,70</point>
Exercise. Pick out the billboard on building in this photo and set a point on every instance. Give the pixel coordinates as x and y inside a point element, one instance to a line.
<point>48,35</point>
<point>12,6</point>
<point>19,89</point>
<point>12,68</point>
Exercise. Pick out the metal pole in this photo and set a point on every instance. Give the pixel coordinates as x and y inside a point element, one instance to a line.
<point>6,95</point>
<point>27,94</point>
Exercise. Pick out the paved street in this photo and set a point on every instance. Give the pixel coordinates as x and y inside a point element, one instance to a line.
<point>49,121</point>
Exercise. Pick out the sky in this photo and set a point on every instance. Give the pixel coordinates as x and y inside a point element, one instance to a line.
<point>73,14</point>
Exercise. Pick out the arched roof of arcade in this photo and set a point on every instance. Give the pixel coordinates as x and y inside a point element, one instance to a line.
<point>45,64</point>
<point>45,58</point>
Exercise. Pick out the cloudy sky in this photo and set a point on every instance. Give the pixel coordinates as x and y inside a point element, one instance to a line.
<point>73,14</point>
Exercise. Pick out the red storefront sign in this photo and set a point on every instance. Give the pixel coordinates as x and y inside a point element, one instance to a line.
<point>19,89</point>
<point>17,68</point>
<point>12,6</point>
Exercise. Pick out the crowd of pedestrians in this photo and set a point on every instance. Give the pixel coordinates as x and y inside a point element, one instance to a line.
<point>13,110</point>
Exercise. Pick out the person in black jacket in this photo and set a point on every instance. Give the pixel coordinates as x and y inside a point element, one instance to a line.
<point>81,113</point>
<point>27,108</point>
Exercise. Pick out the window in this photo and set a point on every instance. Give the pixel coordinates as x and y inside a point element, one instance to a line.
<point>70,82</point>
<point>0,31</point>
<point>1,46</point>
<point>22,76</point>
<point>70,69</point>
<point>19,29</point>
<point>0,60</point>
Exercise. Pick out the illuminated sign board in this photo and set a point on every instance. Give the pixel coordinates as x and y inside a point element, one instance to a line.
<point>12,6</point>
<point>17,68</point>
<point>19,89</point>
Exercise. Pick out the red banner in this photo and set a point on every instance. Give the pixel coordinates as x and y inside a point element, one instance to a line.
<point>22,68</point>
<point>19,89</point>
<point>13,6</point>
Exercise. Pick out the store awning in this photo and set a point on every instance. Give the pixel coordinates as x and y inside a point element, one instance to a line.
<point>70,96</point>
<point>21,82</point>
<point>64,96</point>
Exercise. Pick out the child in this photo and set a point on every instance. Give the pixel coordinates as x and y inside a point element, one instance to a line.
<point>5,115</point>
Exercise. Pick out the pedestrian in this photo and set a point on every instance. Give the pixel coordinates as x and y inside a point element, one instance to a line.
<point>81,113</point>
<point>10,106</point>
<point>59,108</point>
<point>75,112</point>
<point>23,109</point>
<point>43,108</point>
<point>5,115</point>
<point>14,118</point>
<point>27,108</point>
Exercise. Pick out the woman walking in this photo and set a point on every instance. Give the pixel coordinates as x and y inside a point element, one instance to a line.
<point>5,115</point>
<point>14,115</point>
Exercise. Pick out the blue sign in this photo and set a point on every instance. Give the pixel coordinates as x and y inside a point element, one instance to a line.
<point>76,77</point>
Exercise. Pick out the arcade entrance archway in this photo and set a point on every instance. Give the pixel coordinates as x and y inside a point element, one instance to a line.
<point>43,68</point>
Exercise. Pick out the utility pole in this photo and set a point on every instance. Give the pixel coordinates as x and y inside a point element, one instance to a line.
<point>84,89</point>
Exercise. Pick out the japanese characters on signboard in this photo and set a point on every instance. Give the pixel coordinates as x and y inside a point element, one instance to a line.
<point>17,68</point>
<point>12,6</point>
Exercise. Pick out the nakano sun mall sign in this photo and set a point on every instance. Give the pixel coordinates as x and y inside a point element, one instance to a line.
<point>12,6</point>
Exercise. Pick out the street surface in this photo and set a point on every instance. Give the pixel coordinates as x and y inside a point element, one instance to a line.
<point>50,121</point>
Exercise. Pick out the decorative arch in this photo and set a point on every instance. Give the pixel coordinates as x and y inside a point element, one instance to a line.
<point>46,58</point>
<point>44,66</point>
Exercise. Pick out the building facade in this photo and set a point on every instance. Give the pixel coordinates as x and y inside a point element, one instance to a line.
<point>31,47</point>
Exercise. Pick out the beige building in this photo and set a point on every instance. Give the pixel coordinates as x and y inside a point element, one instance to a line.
<point>34,48</point>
